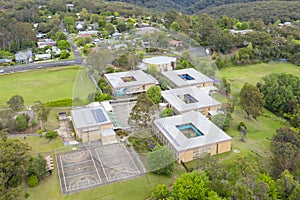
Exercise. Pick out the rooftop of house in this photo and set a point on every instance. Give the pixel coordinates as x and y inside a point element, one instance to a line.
<point>129,79</point>
<point>158,60</point>
<point>188,98</point>
<point>186,77</point>
<point>209,133</point>
<point>89,117</point>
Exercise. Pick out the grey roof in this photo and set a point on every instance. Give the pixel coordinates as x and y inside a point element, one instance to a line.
<point>211,133</point>
<point>203,99</point>
<point>159,60</point>
<point>198,77</point>
<point>107,132</point>
<point>141,78</point>
<point>89,117</point>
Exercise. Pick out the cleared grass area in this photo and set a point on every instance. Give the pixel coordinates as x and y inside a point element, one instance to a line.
<point>253,73</point>
<point>260,131</point>
<point>45,84</point>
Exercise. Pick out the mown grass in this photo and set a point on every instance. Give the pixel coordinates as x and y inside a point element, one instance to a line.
<point>45,84</point>
<point>238,75</point>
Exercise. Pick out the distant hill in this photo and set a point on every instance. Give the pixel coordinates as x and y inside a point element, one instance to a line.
<point>268,10</point>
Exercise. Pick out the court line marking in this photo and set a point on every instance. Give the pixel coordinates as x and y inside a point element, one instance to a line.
<point>67,165</point>
<point>102,166</point>
<point>63,173</point>
<point>100,181</point>
<point>90,172</point>
<point>138,171</point>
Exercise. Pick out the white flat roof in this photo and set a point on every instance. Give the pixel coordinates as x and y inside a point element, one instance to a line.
<point>141,78</point>
<point>159,60</point>
<point>176,77</point>
<point>174,97</point>
<point>211,133</point>
<point>89,118</point>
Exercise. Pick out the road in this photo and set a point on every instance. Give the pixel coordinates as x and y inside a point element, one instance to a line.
<point>33,66</point>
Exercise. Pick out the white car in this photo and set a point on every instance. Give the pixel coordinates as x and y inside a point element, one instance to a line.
<point>2,71</point>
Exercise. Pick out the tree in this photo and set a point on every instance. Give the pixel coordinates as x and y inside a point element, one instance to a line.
<point>271,190</point>
<point>68,22</point>
<point>285,147</point>
<point>287,186</point>
<point>166,112</point>
<point>109,29</point>
<point>222,121</point>
<point>63,45</point>
<point>14,161</point>
<point>154,94</point>
<point>37,167</point>
<point>161,161</point>
<point>42,112</point>
<point>121,27</point>
<point>22,122</point>
<point>161,191</point>
<point>251,100</point>
<point>16,102</point>
<point>193,185</point>
<point>142,113</point>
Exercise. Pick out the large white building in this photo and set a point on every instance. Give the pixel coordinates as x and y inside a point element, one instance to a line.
<point>187,99</point>
<point>130,82</point>
<point>164,63</point>
<point>92,123</point>
<point>191,135</point>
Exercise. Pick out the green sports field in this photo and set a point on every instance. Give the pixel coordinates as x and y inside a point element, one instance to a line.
<point>46,84</point>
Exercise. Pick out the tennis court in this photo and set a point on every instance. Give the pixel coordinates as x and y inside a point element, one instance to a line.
<point>97,165</point>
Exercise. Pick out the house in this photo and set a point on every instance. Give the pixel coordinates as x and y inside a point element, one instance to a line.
<point>44,56</point>
<point>191,136</point>
<point>88,33</point>
<point>70,6</point>
<point>5,61</point>
<point>146,30</point>
<point>164,63</point>
<point>46,42</point>
<point>188,77</point>
<point>175,43</point>
<point>92,123</point>
<point>56,50</point>
<point>130,82</point>
<point>23,56</point>
<point>187,99</point>
<point>242,32</point>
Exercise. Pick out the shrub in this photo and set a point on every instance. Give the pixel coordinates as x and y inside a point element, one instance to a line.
<point>39,131</point>
<point>26,195</point>
<point>51,134</point>
<point>242,124</point>
<point>33,181</point>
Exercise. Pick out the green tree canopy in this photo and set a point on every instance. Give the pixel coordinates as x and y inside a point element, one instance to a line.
<point>14,162</point>
<point>161,161</point>
<point>22,122</point>
<point>142,113</point>
<point>16,102</point>
<point>251,100</point>
<point>154,94</point>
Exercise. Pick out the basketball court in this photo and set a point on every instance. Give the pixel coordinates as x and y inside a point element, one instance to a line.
<point>97,165</point>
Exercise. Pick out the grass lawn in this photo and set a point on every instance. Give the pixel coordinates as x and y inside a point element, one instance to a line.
<point>259,132</point>
<point>237,76</point>
<point>45,84</point>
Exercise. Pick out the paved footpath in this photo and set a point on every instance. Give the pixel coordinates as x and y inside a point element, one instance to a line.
<point>22,135</point>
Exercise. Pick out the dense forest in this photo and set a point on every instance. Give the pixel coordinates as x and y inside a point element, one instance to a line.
<point>269,11</point>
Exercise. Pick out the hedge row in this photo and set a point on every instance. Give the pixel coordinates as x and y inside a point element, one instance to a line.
<point>59,103</point>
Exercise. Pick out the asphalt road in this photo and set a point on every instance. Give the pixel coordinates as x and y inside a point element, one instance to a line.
<point>34,66</point>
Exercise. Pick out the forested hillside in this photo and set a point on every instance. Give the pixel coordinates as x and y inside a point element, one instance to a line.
<point>268,11</point>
